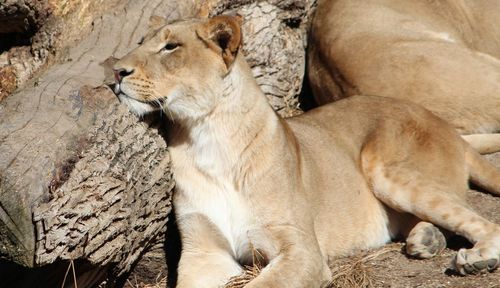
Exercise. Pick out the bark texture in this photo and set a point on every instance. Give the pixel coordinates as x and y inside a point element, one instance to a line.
<point>20,16</point>
<point>116,198</point>
<point>19,22</point>
<point>80,177</point>
<point>36,33</point>
<point>275,37</point>
<point>75,166</point>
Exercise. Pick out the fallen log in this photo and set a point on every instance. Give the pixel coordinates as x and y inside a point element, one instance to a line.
<point>81,178</point>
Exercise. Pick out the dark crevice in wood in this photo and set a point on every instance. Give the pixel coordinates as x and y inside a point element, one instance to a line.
<point>63,170</point>
<point>20,21</point>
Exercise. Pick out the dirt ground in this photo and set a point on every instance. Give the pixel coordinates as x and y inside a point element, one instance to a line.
<point>387,266</point>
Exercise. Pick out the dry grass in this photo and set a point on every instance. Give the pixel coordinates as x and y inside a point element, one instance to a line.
<point>249,273</point>
<point>161,282</point>
<point>71,266</point>
<point>150,272</point>
<point>352,272</point>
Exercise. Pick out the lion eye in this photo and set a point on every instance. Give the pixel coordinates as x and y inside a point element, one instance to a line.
<point>171,46</point>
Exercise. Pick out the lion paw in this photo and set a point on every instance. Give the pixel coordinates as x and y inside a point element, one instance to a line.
<point>425,241</point>
<point>472,261</point>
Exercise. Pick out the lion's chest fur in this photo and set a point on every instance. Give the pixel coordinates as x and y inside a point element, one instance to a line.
<point>206,186</point>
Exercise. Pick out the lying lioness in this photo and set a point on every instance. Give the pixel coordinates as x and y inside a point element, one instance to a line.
<point>442,54</point>
<point>346,176</point>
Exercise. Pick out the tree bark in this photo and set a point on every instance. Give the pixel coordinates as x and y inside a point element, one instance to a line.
<point>83,179</point>
<point>80,177</point>
<point>275,39</point>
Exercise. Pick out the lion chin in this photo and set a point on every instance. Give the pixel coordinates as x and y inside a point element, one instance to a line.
<point>137,107</point>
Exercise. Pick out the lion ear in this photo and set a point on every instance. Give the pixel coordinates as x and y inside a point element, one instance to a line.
<point>156,22</point>
<point>223,35</point>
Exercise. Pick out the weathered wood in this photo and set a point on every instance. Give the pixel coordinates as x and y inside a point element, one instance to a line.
<point>116,199</point>
<point>19,22</point>
<point>275,38</point>
<point>48,137</point>
<point>80,177</point>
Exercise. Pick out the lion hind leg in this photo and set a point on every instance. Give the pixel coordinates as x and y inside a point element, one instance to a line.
<point>484,143</point>
<point>482,172</point>
<point>429,201</point>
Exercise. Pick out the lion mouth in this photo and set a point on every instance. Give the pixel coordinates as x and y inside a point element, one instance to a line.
<point>158,103</point>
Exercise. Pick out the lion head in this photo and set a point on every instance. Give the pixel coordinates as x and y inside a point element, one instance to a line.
<point>179,66</point>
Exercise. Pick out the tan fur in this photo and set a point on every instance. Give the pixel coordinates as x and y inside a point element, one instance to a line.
<point>343,177</point>
<point>444,55</point>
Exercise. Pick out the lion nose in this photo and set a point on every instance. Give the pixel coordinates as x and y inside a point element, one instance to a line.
<point>121,73</point>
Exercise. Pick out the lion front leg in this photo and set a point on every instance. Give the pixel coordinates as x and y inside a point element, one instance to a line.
<point>298,264</point>
<point>206,258</point>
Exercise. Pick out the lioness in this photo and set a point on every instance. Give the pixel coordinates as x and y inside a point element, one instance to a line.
<point>345,176</point>
<point>442,54</point>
